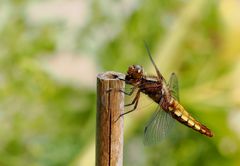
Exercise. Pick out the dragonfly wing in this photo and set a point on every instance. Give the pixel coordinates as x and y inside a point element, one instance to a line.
<point>154,64</point>
<point>173,86</point>
<point>157,127</point>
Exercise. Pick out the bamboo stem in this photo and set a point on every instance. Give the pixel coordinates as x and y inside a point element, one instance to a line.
<point>109,132</point>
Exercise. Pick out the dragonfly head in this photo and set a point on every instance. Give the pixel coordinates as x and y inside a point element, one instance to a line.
<point>134,74</point>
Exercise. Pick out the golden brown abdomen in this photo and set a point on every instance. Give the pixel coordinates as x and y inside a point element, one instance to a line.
<point>181,115</point>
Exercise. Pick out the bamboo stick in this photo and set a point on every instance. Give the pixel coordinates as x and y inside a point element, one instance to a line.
<point>109,130</point>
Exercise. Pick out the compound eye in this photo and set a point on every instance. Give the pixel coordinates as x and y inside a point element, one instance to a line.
<point>138,68</point>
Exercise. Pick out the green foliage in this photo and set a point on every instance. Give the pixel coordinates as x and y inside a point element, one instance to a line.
<point>46,122</point>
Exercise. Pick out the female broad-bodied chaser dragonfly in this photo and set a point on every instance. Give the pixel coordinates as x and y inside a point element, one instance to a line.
<point>166,96</point>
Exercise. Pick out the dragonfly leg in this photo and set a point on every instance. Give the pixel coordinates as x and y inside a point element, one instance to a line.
<point>135,100</point>
<point>121,90</point>
<point>129,93</point>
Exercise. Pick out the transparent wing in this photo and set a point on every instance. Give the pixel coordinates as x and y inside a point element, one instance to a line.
<point>160,122</point>
<point>173,86</point>
<point>157,127</point>
<point>154,64</point>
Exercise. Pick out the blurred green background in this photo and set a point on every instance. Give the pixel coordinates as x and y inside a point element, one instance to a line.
<point>51,52</point>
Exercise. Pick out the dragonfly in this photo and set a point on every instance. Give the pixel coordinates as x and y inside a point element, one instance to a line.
<point>166,95</point>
